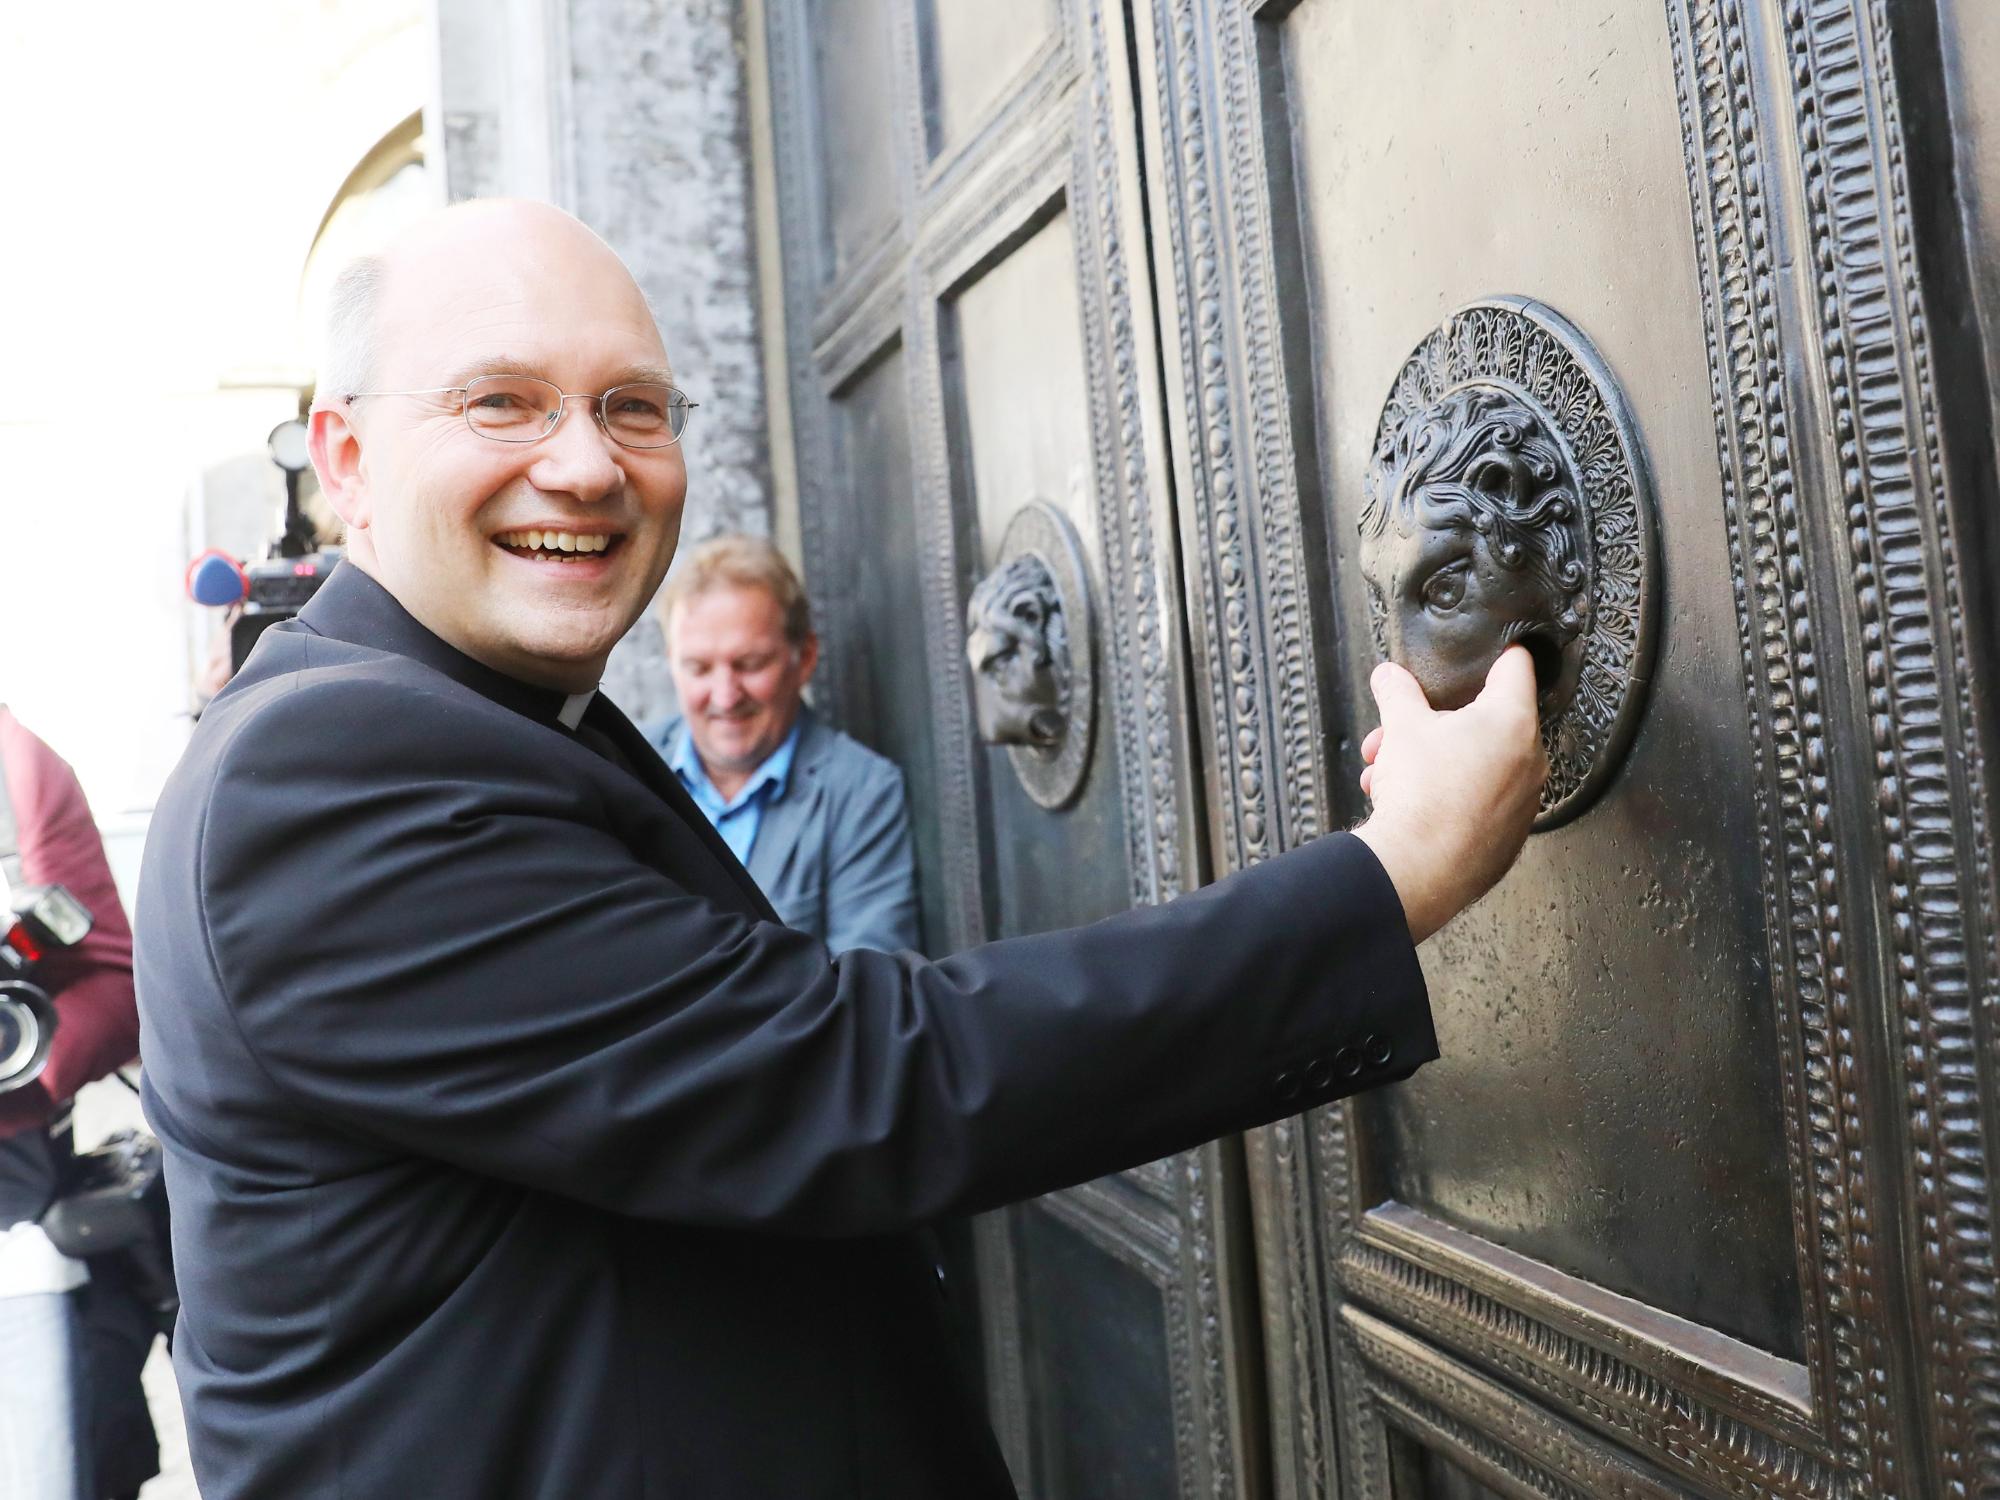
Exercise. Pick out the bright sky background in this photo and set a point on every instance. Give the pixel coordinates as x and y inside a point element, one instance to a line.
<point>167,168</point>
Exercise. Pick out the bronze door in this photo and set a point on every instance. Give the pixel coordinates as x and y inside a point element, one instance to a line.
<point>977,404</point>
<point>1623,304</point>
<point>1153,368</point>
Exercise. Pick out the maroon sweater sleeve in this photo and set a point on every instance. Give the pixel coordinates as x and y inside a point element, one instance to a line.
<point>97,1028</point>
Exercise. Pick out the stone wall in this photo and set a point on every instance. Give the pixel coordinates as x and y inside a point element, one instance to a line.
<point>663,173</point>
<point>632,114</point>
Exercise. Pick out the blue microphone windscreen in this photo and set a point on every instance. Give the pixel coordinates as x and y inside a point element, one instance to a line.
<point>216,581</point>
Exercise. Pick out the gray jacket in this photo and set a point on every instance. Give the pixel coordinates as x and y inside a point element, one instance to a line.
<point>833,854</point>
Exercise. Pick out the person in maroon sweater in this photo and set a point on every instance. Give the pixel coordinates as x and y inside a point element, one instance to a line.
<point>98,1029</point>
<point>45,1380</point>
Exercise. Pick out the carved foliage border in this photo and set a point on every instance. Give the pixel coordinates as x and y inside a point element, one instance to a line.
<point>1833,1208</point>
<point>1504,1440</point>
<point>1907,598</point>
<point>1681,1428</point>
<point>1148,721</point>
<point>1244,573</point>
<point>1141,666</point>
<point>1245,558</point>
<point>1149,742</point>
<point>1867,319</point>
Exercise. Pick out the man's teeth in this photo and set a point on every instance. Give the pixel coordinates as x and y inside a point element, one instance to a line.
<point>555,541</point>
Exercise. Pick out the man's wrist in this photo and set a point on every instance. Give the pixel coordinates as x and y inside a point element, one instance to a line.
<point>1395,850</point>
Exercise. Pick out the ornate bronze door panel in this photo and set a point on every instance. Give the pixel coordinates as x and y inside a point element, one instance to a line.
<point>1231,344</point>
<point>1603,327</point>
<point>989,533</point>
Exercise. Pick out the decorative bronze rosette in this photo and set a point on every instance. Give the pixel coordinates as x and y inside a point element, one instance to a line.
<point>1031,645</point>
<point>1507,502</point>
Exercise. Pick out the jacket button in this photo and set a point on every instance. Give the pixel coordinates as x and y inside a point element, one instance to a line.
<point>1377,1049</point>
<point>1348,1060</point>
<point>1288,1085</point>
<point>1319,1076</point>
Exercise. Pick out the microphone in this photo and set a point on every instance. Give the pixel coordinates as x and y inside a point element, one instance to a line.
<point>268,591</point>
<point>216,579</point>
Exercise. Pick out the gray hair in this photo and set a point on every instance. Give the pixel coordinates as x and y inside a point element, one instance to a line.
<point>347,364</point>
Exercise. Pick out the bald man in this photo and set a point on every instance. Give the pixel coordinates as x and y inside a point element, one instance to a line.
<point>515,1149</point>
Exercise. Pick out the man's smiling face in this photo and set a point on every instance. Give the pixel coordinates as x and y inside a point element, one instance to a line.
<point>443,517</point>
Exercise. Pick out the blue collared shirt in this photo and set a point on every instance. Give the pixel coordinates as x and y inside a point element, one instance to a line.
<point>737,819</point>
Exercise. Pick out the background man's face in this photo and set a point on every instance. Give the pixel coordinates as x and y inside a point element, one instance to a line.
<point>447,511</point>
<point>738,678</point>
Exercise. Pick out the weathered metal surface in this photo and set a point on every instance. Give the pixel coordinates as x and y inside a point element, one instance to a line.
<point>993,269</point>
<point>1698,1200</point>
<point>1749,974</point>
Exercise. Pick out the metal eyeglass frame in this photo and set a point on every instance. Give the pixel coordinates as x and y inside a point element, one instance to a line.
<point>563,399</point>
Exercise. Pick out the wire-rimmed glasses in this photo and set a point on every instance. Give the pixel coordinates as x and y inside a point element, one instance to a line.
<point>526,409</point>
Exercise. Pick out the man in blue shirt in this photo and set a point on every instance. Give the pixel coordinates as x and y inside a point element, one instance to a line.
<point>820,821</point>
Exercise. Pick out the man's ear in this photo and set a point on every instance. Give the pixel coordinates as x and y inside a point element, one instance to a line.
<point>808,658</point>
<point>336,458</point>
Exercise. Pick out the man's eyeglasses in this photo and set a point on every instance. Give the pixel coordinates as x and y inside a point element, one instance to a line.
<point>526,409</point>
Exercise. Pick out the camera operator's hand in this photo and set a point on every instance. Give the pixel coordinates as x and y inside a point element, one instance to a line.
<point>215,669</point>
<point>1454,792</point>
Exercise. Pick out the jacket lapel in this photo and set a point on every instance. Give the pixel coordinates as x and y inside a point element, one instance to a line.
<point>604,716</point>
<point>778,835</point>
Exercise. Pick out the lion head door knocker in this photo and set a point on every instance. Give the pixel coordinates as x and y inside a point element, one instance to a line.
<point>1506,502</point>
<point>1030,644</point>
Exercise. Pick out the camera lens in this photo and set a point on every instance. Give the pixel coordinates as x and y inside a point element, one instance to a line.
<point>25,1024</point>
<point>17,1037</point>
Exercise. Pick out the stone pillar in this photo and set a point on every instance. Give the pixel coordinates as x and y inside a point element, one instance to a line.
<point>499,119</point>
<point>632,114</point>
<point>661,143</point>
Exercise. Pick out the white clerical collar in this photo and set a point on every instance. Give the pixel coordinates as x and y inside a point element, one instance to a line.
<point>573,707</point>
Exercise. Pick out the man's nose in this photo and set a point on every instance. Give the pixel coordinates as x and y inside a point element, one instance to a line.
<point>579,458</point>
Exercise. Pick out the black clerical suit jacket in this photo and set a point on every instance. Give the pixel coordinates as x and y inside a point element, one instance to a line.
<point>516,1151</point>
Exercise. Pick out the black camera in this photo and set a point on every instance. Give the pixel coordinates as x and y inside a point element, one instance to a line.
<point>293,568</point>
<point>268,591</point>
<point>42,919</point>
<point>113,1212</point>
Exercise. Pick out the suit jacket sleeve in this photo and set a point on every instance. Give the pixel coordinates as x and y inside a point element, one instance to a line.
<point>871,893</point>
<point>97,1018</point>
<point>433,937</point>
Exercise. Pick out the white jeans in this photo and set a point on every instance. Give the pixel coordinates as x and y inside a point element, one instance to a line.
<point>44,1414</point>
